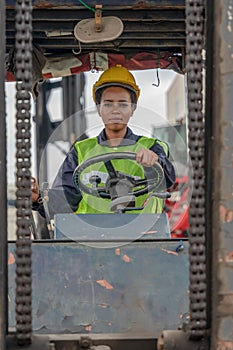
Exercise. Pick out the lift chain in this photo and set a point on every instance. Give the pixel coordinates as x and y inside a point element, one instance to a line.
<point>23,60</point>
<point>194,46</point>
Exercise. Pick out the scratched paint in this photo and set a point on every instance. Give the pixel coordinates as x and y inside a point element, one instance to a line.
<point>224,345</point>
<point>149,232</point>
<point>169,251</point>
<point>105,284</point>
<point>118,251</point>
<point>229,257</point>
<point>87,290</point>
<point>126,258</point>
<point>11,259</point>
<point>225,214</point>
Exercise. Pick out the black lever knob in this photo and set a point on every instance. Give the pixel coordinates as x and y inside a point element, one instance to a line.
<point>95,180</point>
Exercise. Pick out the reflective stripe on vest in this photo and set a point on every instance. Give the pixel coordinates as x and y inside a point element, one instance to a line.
<point>89,148</point>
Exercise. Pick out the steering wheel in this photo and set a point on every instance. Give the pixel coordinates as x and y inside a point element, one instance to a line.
<point>118,184</point>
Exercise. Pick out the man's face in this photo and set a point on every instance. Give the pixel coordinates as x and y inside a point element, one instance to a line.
<point>115,108</point>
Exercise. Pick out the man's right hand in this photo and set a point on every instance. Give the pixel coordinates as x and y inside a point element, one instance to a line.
<point>35,189</point>
<point>146,157</point>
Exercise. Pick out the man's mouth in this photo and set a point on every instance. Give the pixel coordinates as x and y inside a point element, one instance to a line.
<point>115,120</point>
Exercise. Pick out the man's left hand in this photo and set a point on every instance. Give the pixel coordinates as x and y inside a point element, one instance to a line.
<point>146,157</point>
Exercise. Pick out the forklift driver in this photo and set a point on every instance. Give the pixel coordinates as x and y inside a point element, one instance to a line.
<point>115,94</point>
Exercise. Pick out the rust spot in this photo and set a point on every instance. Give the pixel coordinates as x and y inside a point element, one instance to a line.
<point>11,259</point>
<point>117,251</point>
<point>229,216</point>
<point>224,345</point>
<point>229,257</point>
<point>149,232</point>
<point>222,212</point>
<point>105,284</point>
<point>225,215</point>
<point>126,258</point>
<point>169,251</point>
<point>88,328</point>
<point>141,5</point>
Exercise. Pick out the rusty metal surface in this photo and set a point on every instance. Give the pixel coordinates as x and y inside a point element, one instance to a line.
<point>3,188</point>
<point>38,343</point>
<point>172,340</point>
<point>222,182</point>
<point>102,342</point>
<point>148,25</point>
<point>138,288</point>
<point>129,3</point>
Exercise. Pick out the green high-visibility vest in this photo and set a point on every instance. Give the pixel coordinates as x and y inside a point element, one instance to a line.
<point>89,148</point>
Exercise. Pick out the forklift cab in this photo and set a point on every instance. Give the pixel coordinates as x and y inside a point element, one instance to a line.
<point>110,280</point>
<point>109,273</point>
<point>120,191</point>
<point>149,292</point>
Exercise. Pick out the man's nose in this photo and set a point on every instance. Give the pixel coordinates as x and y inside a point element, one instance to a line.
<point>116,108</point>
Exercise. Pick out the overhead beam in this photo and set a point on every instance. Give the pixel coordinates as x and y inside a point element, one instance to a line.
<point>124,15</point>
<point>72,44</point>
<point>129,26</point>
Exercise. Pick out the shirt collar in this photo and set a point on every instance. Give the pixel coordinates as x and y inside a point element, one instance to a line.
<point>129,139</point>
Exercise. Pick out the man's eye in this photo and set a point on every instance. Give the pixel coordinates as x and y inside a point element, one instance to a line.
<point>108,105</point>
<point>124,104</point>
<point>121,105</point>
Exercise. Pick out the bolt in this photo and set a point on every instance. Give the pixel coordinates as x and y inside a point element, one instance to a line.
<point>85,342</point>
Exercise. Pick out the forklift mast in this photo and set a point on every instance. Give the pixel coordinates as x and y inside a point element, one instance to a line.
<point>72,101</point>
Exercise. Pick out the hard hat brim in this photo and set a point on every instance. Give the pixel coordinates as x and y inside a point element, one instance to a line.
<point>126,86</point>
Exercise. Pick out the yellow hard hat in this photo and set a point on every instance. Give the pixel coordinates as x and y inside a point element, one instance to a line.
<point>116,76</point>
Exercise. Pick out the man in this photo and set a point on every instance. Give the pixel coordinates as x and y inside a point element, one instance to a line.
<point>115,94</point>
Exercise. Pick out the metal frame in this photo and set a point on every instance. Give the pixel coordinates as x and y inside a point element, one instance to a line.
<point>162,25</point>
<point>220,172</point>
<point>3,189</point>
<point>72,92</point>
<point>219,148</point>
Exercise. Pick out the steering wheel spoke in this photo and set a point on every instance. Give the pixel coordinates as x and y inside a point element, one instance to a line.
<point>141,182</point>
<point>111,170</point>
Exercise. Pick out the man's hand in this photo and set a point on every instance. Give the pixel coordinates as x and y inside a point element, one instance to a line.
<point>34,189</point>
<point>146,157</point>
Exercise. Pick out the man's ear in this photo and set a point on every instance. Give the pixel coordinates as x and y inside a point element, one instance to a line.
<point>98,109</point>
<point>134,106</point>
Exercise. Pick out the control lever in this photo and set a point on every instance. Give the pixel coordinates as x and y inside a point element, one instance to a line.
<point>45,199</point>
<point>95,180</point>
<point>163,195</point>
